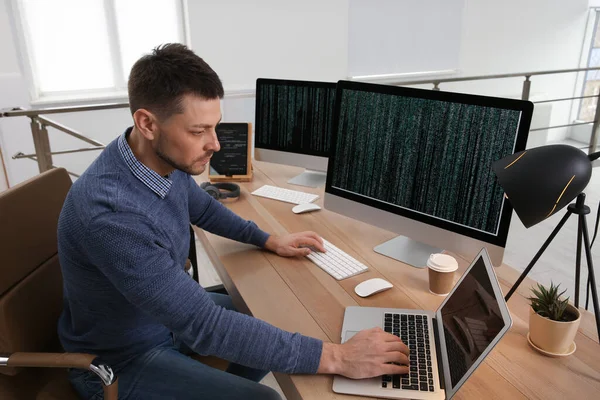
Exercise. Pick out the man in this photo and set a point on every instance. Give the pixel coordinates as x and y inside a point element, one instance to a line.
<point>123,241</point>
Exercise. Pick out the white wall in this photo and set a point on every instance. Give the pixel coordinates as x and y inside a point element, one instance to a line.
<point>243,40</point>
<point>8,61</point>
<point>519,36</point>
<point>310,39</point>
<point>3,180</point>
<point>13,92</point>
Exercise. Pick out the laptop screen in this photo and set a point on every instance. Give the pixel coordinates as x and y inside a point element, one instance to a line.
<point>472,319</point>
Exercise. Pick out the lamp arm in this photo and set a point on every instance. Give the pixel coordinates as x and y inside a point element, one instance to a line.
<point>594,156</point>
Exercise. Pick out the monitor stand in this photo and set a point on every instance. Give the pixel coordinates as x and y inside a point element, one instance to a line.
<point>309,178</point>
<point>407,250</point>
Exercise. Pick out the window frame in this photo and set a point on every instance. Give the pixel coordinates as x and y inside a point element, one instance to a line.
<point>587,46</point>
<point>73,97</point>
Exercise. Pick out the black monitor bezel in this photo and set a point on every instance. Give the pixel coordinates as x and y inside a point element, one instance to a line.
<point>526,108</point>
<point>288,82</point>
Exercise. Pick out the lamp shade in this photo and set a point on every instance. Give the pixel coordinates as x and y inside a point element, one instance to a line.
<point>541,181</point>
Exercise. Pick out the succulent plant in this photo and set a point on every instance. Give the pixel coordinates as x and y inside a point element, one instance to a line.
<point>548,303</point>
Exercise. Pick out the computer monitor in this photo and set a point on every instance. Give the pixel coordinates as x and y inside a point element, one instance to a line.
<point>293,125</point>
<point>419,163</point>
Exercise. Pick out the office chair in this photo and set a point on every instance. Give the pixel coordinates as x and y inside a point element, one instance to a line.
<point>31,295</point>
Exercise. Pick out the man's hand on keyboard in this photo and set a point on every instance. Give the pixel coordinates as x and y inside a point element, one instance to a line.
<point>295,244</point>
<point>365,355</point>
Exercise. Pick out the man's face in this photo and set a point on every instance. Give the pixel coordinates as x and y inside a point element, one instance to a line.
<point>186,141</point>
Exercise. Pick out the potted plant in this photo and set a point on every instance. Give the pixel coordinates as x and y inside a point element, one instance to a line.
<point>553,322</point>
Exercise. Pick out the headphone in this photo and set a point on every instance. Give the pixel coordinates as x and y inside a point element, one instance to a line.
<point>221,190</point>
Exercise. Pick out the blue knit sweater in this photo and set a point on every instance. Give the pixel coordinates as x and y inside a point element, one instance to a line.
<point>122,247</point>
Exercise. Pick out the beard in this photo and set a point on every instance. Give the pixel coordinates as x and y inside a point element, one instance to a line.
<point>188,169</point>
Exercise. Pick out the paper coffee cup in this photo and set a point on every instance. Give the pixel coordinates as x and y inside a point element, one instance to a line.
<point>441,273</point>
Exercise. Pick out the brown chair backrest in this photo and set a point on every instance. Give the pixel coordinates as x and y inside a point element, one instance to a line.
<point>30,277</point>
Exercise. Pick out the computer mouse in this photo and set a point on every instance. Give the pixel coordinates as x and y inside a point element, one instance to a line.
<point>306,207</point>
<point>372,286</point>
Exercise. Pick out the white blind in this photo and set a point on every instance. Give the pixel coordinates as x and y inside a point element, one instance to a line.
<point>89,46</point>
<point>403,36</point>
<point>142,25</point>
<point>69,45</point>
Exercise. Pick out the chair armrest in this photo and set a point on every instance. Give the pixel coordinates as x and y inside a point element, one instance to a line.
<point>67,360</point>
<point>50,360</point>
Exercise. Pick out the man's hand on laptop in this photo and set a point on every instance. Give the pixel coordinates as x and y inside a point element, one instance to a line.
<point>367,354</point>
<point>295,244</point>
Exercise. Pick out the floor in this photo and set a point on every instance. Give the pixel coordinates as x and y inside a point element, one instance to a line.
<point>271,382</point>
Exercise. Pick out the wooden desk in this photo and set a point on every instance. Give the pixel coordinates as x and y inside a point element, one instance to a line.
<point>295,295</point>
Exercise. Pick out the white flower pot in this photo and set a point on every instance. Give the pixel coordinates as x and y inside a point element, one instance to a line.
<point>553,336</point>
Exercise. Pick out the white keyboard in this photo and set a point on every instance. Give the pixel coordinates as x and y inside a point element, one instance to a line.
<point>286,195</point>
<point>336,263</point>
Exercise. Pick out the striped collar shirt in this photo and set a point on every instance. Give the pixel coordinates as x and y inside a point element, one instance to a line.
<point>158,184</point>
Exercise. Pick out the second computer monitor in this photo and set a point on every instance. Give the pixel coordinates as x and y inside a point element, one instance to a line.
<point>293,126</point>
<point>418,163</point>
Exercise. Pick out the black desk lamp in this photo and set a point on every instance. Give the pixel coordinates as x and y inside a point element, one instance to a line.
<point>541,181</point>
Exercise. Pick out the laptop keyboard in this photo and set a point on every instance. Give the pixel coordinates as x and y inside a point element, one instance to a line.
<point>414,332</point>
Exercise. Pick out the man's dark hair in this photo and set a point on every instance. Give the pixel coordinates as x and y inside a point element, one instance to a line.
<point>158,81</point>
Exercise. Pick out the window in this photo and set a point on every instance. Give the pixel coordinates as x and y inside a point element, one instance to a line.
<point>591,84</point>
<point>85,49</point>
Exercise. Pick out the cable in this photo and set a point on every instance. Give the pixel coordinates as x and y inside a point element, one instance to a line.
<point>589,283</point>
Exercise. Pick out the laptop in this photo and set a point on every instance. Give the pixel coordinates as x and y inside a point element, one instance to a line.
<point>446,346</point>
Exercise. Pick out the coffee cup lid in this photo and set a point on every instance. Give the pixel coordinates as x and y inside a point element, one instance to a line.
<point>442,263</point>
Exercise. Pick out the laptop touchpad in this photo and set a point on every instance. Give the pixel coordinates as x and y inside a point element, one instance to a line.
<point>349,335</point>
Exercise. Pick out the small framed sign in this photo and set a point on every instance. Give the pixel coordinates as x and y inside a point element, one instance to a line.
<point>233,163</point>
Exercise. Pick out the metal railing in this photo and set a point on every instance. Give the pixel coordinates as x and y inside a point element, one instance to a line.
<point>43,153</point>
<point>39,132</point>
<point>525,93</point>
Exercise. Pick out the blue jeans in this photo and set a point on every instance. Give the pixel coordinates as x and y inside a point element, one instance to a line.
<point>166,372</point>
